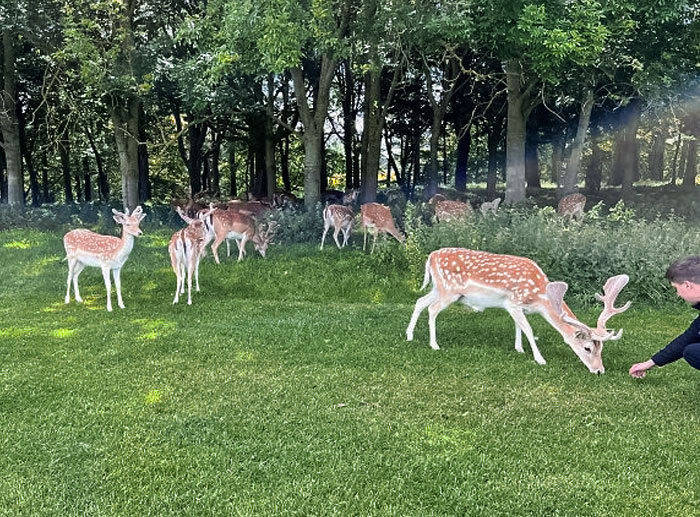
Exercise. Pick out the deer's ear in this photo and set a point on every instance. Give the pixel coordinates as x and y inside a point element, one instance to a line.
<point>555,293</point>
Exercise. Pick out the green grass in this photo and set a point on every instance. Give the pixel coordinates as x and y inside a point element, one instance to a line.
<point>288,388</point>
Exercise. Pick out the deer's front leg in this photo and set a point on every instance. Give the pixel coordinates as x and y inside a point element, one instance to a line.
<point>241,247</point>
<point>108,286</point>
<point>118,286</point>
<point>437,305</point>
<point>518,339</point>
<point>521,321</point>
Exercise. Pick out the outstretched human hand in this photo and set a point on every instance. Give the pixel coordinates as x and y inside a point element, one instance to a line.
<point>639,370</point>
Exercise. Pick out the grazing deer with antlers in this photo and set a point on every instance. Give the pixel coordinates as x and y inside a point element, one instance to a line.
<point>109,253</point>
<point>232,224</point>
<point>571,206</point>
<point>490,206</point>
<point>481,280</point>
<point>448,210</point>
<point>341,218</point>
<point>377,218</point>
<point>186,248</point>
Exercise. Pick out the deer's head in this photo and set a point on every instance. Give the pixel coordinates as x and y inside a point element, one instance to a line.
<point>130,222</point>
<point>587,342</point>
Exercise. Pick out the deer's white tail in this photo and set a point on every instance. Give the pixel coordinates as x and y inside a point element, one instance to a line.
<point>426,278</point>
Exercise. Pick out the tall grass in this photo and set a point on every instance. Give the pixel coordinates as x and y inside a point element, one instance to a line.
<point>288,388</point>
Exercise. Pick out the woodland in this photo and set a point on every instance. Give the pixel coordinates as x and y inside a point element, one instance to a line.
<point>150,100</point>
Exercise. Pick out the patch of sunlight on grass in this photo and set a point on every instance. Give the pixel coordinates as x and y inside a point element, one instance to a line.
<point>378,297</point>
<point>153,329</point>
<point>55,306</point>
<point>38,266</point>
<point>154,397</point>
<point>150,286</point>
<point>156,241</point>
<point>15,332</point>
<point>18,245</point>
<point>63,333</point>
<point>457,440</point>
<point>245,357</point>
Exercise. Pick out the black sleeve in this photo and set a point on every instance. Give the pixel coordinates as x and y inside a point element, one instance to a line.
<point>674,350</point>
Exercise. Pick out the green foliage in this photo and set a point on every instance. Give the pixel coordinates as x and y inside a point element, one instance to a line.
<point>294,226</point>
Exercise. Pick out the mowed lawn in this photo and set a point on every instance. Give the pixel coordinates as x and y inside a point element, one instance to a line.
<point>288,388</point>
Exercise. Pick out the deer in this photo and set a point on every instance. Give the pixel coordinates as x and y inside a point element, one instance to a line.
<point>86,248</point>
<point>256,209</point>
<point>341,218</point>
<point>232,224</point>
<point>448,210</point>
<point>490,206</point>
<point>571,206</point>
<point>481,280</point>
<point>378,217</point>
<point>187,247</point>
<point>435,199</point>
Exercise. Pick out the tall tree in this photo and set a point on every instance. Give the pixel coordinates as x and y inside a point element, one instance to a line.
<point>8,119</point>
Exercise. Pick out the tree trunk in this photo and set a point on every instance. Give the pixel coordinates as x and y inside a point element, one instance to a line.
<point>631,155</point>
<point>594,172</point>
<point>86,179</point>
<point>464,145</point>
<point>215,169</point>
<point>617,167</point>
<point>270,166</point>
<point>3,178</point>
<point>494,136</point>
<point>232,167</point>
<point>64,153</point>
<point>313,121</point>
<point>126,127</point>
<point>569,182</point>
<point>532,158</point>
<point>102,180</point>
<point>372,133</point>
<point>34,187</point>
<point>348,123</point>
<point>9,124</point>
<point>196,135</point>
<point>557,156</point>
<point>515,134</point>
<point>691,164</point>
<point>45,193</point>
<point>313,142</point>
<point>656,154</point>
<point>144,171</point>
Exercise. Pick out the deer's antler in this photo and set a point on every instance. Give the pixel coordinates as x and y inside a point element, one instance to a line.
<point>612,288</point>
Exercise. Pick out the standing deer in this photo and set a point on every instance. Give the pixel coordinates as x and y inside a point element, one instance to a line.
<point>341,218</point>
<point>481,280</point>
<point>490,206</point>
<point>378,218</point>
<point>186,248</point>
<point>109,253</point>
<point>232,224</point>
<point>448,210</point>
<point>571,206</point>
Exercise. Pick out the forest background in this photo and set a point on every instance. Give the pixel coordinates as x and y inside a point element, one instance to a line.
<point>144,100</point>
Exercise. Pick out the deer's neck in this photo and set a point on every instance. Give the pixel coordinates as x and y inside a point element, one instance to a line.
<point>126,247</point>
